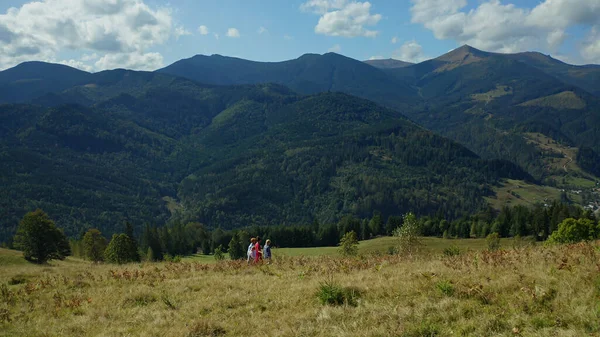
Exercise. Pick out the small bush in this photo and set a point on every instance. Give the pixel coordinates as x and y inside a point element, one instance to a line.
<point>219,254</point>
<point>493,242</point>
<point>452,251</point>
<point>331,293</point>
<point>446,287</point>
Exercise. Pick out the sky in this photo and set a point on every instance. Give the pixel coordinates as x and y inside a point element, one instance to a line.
<point>95,35</point>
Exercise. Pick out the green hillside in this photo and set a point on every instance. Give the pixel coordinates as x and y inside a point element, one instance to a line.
<point>229,156</point>
<point>483,100</point>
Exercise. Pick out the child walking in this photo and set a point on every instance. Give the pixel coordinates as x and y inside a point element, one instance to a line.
<point>251,250</point>
<point>267,251</point>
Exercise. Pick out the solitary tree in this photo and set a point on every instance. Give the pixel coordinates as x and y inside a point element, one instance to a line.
<point>349,244</point>
<point>39,238</point>
<point>408,235</point>
<point>94,245</point>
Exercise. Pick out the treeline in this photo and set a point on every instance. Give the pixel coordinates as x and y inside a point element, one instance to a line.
<point>168,242</point>
<point>538,221</point>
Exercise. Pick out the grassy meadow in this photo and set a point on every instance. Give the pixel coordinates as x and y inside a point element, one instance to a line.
<point>521,290</point>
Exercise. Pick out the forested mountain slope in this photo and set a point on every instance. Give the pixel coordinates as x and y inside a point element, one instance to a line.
<point>308,74</point>
<point>231,156</point>
<point>486,101</point>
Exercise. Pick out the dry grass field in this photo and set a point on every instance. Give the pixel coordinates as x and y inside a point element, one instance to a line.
<point>518,291</point>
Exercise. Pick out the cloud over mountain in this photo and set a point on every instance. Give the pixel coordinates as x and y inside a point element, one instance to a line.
<point>504,27</point>
<point>343,18</point>
<point>121,31</point>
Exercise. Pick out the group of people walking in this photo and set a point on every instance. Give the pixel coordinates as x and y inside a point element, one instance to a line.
<point>255,254</point>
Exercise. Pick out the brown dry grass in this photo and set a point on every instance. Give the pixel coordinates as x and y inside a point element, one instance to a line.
<point>528,291</point>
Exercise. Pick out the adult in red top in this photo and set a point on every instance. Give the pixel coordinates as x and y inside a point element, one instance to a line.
<point>257,252</point>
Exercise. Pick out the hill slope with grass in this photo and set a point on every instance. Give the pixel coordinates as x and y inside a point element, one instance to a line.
<point>522,290</point>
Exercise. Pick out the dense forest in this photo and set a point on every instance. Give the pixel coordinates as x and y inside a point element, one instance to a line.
<point>485,101</point>
<point>226,157</point>
<point>94,150</point>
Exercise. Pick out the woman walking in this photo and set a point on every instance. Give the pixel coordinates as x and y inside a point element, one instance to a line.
<point>257,252</point>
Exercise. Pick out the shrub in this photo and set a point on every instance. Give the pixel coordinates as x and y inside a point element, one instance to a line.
<point>349,244</point>
<point>452,251</point>
<point>571,230</point>
<point>493,241</point>
<point>219,254</point>
<point>331,293</point>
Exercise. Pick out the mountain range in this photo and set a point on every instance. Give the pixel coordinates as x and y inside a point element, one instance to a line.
<point>230,142</point>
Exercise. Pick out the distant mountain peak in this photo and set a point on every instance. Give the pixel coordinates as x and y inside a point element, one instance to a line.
<point>463,54</point>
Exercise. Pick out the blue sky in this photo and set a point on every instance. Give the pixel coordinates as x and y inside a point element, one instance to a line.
<point>148,34</point>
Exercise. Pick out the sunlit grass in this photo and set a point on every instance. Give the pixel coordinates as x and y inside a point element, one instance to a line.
<point>524,290</point>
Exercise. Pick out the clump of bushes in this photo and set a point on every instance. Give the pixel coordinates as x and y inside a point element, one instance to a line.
<point>452,251</point>
<point>219,253</point>
<point>493,242</point>
<point>571,231</point>
<point>332,293</point>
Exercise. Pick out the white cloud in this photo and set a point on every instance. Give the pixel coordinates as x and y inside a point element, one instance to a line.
<point>262,30</point>
<point>376,58</point>
<point>180,31</point>
<point>410,51</point>
<point>394,40</point>
<point>89,57</point>
<point>203,30</point>
<point>499,27</point>
<point>288,37</point>
<point>335,49</point>
<point>590,50</point>
<point>343,17</point>
<point>41,30</point>
<point>141,61</point>
<point>216,36</point>
<point>233,32</point>
<point>76,64</point>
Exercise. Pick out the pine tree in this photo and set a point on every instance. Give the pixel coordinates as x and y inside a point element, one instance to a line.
<point>119,250</point>
<point>236,251</point>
